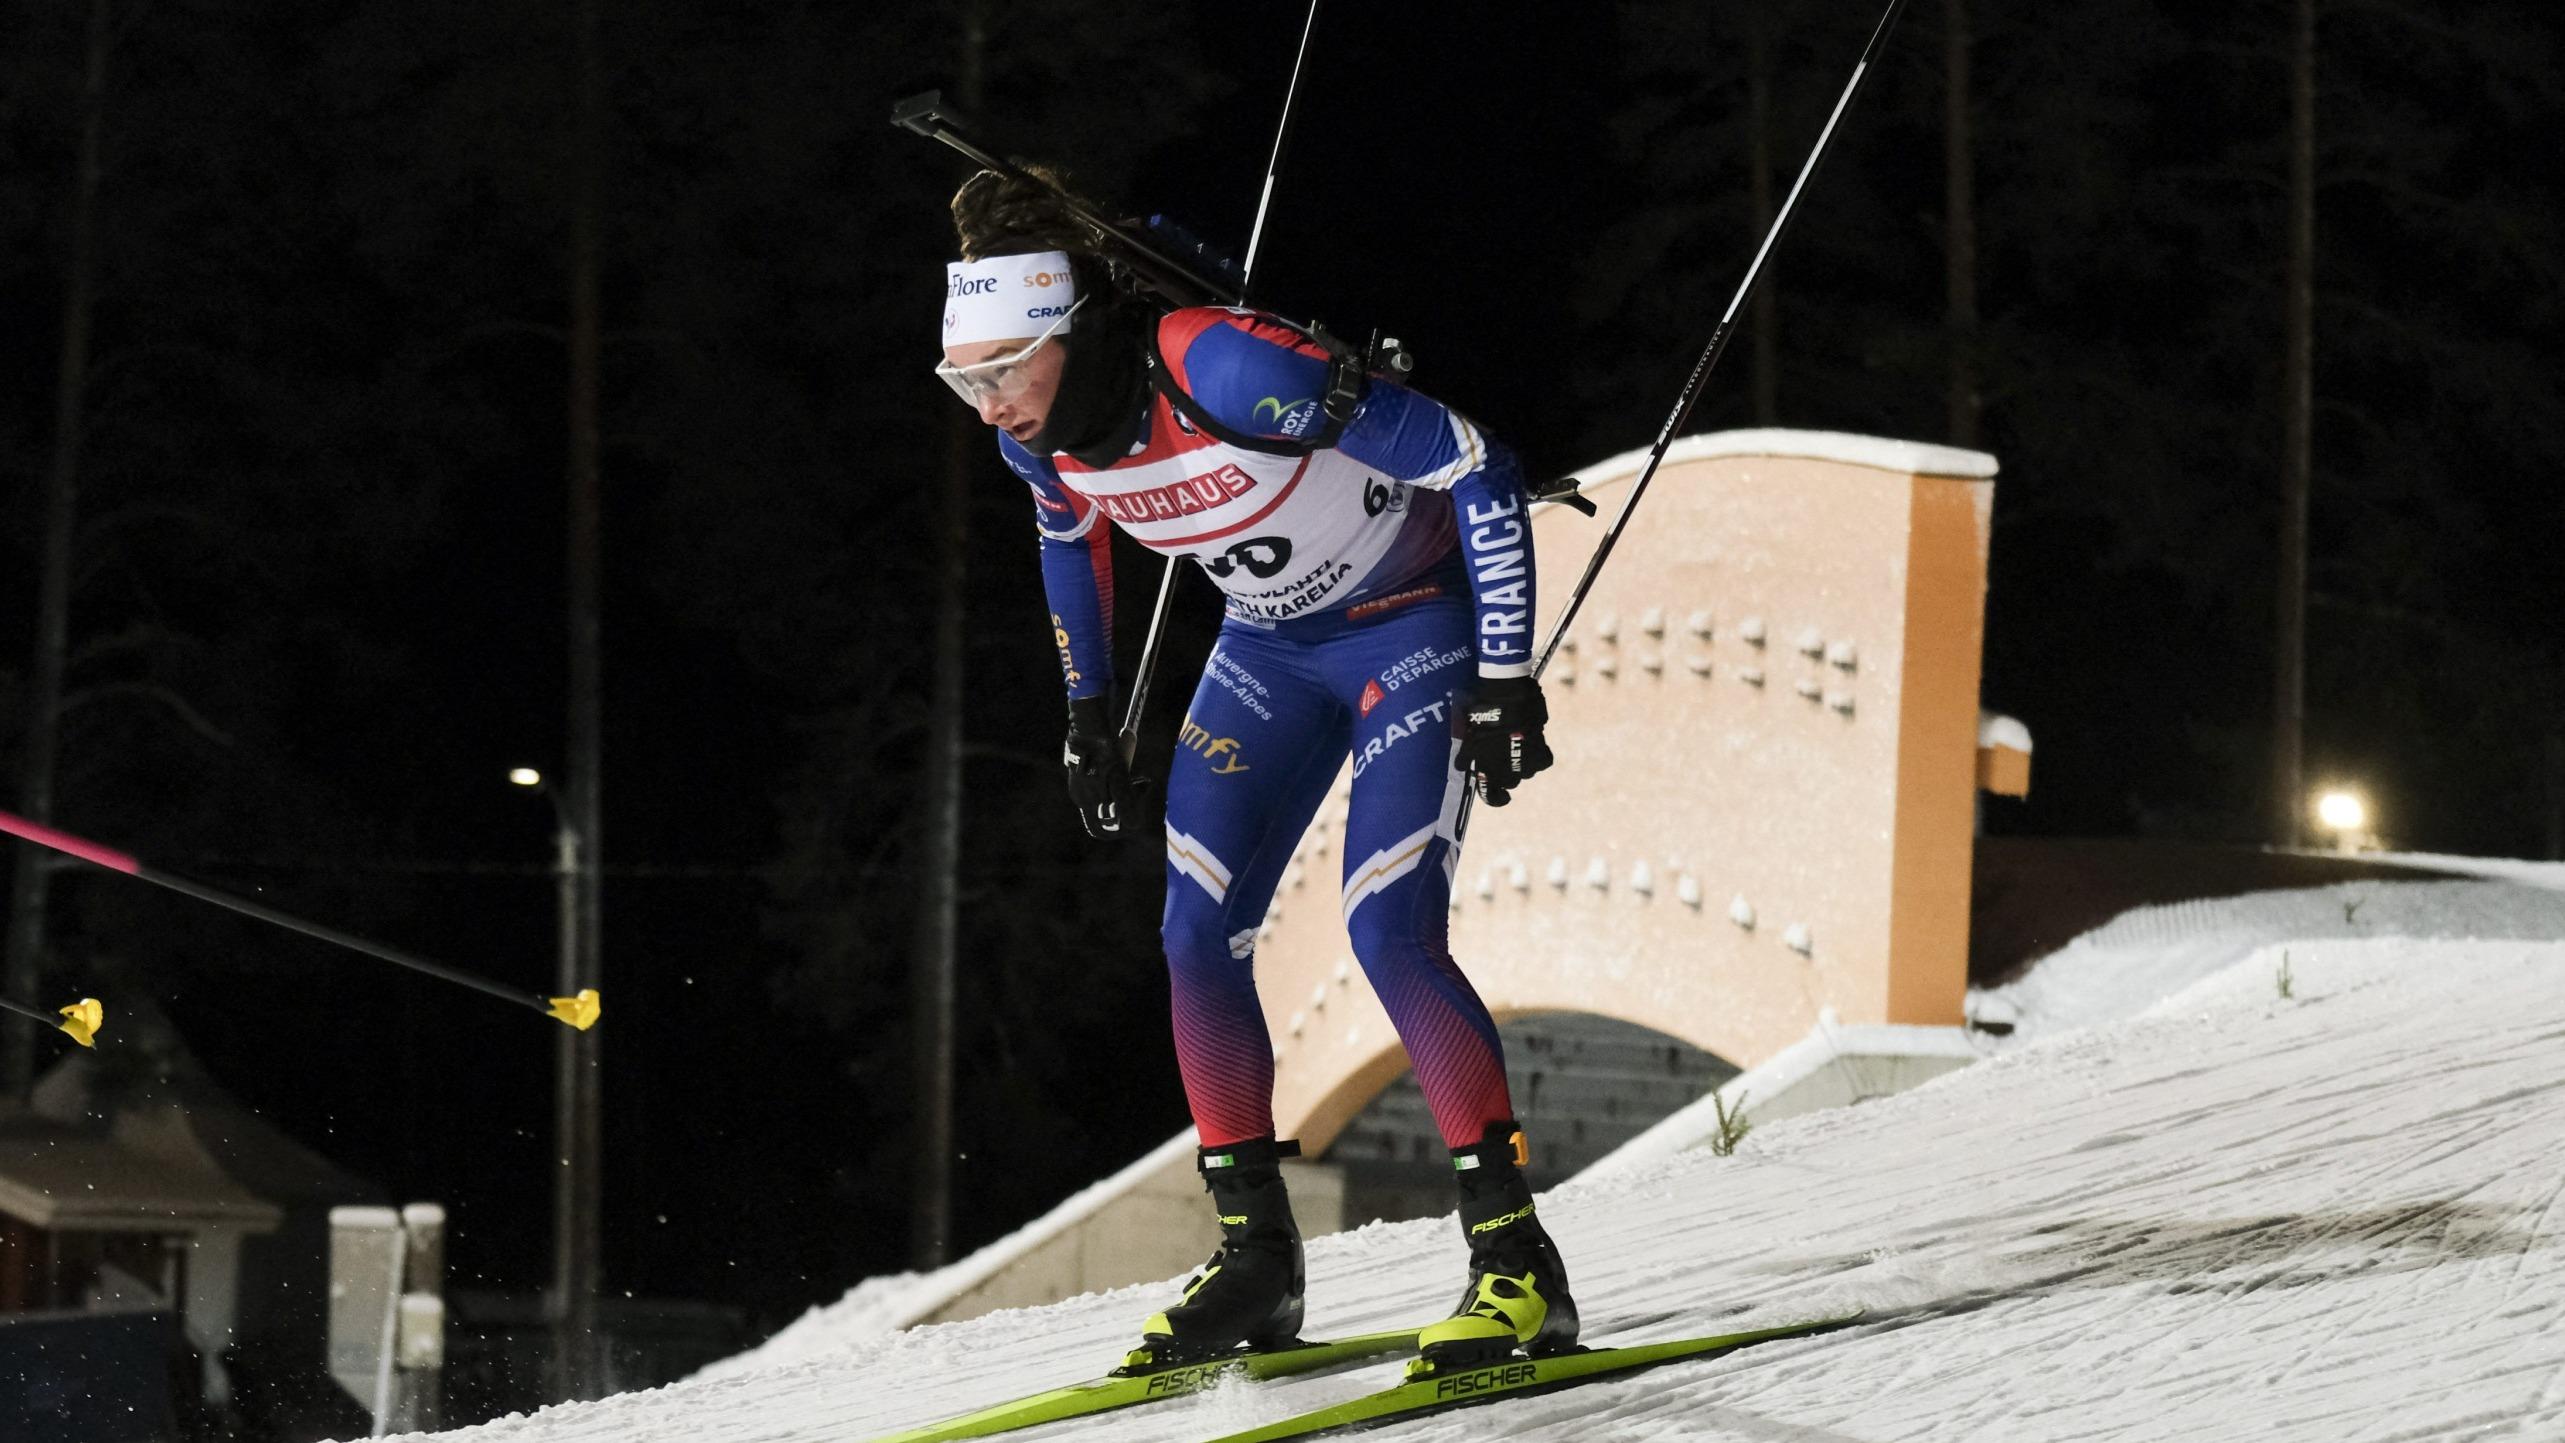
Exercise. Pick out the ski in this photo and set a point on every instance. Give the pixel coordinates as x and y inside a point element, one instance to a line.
<point>1113,1391</point>
<point>1515,1378</point>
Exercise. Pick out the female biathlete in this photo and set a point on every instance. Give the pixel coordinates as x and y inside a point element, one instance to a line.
<point>1378,577</point>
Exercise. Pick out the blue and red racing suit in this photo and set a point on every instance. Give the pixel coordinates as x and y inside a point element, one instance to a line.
<point>1368,583</point>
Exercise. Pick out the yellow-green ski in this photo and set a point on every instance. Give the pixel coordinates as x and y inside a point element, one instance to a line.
<point>1103,1395</point>
<point>1514,1377</point>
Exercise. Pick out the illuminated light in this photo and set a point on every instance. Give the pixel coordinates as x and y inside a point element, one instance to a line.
<point>525,776</point>
<point>2342,811</point>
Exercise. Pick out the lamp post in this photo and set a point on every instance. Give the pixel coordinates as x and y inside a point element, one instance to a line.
<point>572,1307</point>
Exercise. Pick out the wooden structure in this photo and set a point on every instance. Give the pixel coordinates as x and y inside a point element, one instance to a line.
<point>1769,736</point>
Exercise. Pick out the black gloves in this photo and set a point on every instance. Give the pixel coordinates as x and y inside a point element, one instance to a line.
<point>1099,783</point>
<point>1499,724</point>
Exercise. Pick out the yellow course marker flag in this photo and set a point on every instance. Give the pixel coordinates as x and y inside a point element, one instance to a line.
<point>580,1011</point>
<point>82,1020</point>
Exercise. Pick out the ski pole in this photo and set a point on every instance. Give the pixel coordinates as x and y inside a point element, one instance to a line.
<point>1129,738</point>
<point>579,1012</point>
<point>1273,163</point>
<point>1692,387</point>
<point>81,1019</point>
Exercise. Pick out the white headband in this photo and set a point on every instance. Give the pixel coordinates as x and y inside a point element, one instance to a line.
<point>1007,298</point>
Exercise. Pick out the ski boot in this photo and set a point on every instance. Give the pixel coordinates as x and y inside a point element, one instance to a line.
<point>1518,1290</point>
<point>1250,1291</point>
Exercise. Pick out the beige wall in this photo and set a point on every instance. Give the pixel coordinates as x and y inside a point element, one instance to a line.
<point>1768,703</point>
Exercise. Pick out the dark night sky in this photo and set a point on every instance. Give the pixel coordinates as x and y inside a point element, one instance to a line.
<point>323,496</point>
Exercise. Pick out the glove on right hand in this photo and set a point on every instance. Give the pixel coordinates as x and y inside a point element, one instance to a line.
<point>1099,782</point>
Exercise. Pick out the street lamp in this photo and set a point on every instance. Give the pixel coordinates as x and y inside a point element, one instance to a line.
<point>2345,813</point>
<point>575,1177</point>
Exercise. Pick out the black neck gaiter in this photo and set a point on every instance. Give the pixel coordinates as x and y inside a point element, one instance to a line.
<point>1098,411</point>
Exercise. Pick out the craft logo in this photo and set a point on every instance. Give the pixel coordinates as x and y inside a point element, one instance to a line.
<point>1372,695</point>
<point>1397,731</point>
<point>1046,311</point>
<point>1222,752</point>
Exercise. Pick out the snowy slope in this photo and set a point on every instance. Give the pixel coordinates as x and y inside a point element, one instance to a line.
<point>2148,953</point>
<point>2325,1217</point>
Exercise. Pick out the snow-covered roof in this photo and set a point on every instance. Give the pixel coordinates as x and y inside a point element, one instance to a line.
<point>1994,729</point>
<point>67,1180</point>
<point>1906,458</point>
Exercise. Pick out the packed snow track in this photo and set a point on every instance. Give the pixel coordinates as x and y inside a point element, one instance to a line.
<point>2326,1216</point>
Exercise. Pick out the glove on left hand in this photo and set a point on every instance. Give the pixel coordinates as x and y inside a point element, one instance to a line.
<point>1499,724</point>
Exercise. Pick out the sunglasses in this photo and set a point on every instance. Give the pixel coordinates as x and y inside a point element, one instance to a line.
<point>1000,378</point>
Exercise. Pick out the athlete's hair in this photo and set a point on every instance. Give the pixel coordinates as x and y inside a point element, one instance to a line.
<point>1000,215</point>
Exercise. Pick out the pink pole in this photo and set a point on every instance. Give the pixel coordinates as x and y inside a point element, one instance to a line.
<point>87,851</point>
